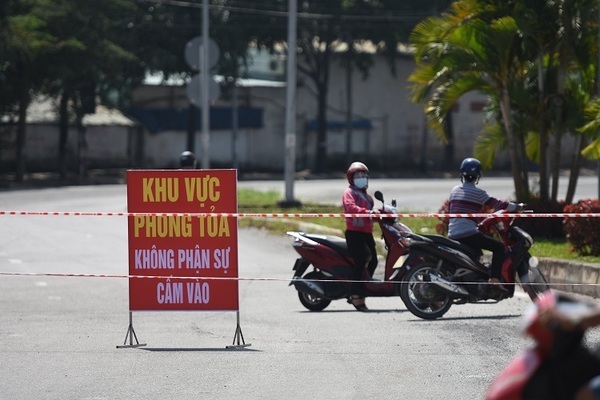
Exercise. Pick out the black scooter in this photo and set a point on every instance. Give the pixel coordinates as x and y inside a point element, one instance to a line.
<point>442,273</point>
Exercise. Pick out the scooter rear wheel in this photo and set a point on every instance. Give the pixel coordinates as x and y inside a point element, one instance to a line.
<point>311,302</point>
<point>419,297</point>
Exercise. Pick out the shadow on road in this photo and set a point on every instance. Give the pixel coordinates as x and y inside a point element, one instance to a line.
<point>198,349</point>
<point>470,318</point>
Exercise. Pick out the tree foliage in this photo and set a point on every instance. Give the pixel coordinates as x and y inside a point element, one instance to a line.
<point>83,48</point>
<point>534,59</point>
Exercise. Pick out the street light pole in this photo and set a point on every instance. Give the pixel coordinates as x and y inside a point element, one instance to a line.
<point>290,106</point>
<point>205,137</point>
<point>348,39</point>
<point>598,87</point>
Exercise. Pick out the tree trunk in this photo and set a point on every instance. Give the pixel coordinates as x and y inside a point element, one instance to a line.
<point>322,83</point>
<point>556,164</point>
<point>191,129</point>
<point>449,147</point>
<point>520,190</point>
<point>575,168</point>
<point>63,134</point>
<point>21,153</point>
<point>543,149</point>
<point>321,161</point>
<point>561,77</point>
<point>82,147</point>
<point>523,167</point>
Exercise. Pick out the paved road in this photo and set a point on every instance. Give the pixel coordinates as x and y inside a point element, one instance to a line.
<point>425,195</point>
<point>58,335</point>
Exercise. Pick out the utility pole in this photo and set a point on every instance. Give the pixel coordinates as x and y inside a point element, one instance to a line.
<point>349,40</point>
<point>598,88</point>
<point>205,137</point>
<point>290,107</point>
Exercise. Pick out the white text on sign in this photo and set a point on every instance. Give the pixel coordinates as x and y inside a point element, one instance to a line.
<point>194,258</point>
<point>177,292</point>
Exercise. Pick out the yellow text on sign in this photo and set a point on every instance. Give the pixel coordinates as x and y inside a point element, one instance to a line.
<point>163,190</point>
<point>152,226</point>
<point>160,190</point>
<point>162,226</point>
<point>202,189</point>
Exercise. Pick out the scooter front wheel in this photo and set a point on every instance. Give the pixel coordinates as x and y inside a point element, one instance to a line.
<point>538,282</point>
<point>420,297</point>
<point>312,302</point>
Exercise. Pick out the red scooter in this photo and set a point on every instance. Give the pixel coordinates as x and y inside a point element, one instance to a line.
<point>333,273</point>
<point>559,364</point>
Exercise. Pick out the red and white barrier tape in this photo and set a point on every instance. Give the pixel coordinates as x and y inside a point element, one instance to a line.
<point>294,215</point>
<point>80,275</point>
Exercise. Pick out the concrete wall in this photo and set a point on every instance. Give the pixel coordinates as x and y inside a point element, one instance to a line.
<point>398,139</point>
<point>107,147</point>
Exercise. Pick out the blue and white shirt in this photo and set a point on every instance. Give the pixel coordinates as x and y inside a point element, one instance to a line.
<point>467,198</point>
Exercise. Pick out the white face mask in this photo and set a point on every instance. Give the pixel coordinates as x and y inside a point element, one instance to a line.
<point>361,183</point>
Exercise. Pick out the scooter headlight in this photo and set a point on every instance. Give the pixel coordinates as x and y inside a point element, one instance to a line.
<point>405,241</point>
<point>533,262</point>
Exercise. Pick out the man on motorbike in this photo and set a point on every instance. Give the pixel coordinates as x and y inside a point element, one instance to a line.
<point>467,198</point>
<point>359,231</point>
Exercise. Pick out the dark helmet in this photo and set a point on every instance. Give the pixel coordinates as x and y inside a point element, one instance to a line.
<point>354,168</point>
<point>187,160</point>
<point>470,169</point>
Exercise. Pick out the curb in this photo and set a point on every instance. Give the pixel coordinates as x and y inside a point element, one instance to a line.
<point>572,276</point>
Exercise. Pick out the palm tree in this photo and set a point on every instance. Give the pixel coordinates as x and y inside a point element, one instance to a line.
<point>515,52</point>
<point>474,46</point>
<point>575,47</point>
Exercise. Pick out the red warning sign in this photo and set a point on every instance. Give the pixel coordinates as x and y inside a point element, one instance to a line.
<point>178,252</point>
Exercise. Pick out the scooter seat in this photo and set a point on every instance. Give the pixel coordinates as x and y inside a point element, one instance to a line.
<point>335,242</point>
<point>473,253</point>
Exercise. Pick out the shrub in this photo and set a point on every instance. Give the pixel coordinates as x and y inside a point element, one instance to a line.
<point>583,233</point>
<point>442,226</point>
<point>549,228</point>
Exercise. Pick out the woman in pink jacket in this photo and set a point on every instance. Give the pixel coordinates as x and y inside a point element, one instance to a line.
<point>359,231</point>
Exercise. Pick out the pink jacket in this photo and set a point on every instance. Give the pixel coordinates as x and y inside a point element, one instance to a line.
<point>356,201</point>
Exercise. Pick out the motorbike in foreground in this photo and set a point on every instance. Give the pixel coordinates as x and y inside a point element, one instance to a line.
<point>333,274</point>
<point>441,273</point>
<point>558,365</point>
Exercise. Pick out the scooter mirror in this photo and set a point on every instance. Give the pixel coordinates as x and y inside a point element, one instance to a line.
<point>394,203</point>
<point>379,196</point>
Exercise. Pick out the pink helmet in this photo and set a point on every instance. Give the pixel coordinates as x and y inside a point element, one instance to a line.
<point>354,168</point>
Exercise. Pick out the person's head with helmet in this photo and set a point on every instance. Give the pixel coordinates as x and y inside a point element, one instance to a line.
<point>358,175</point>
<point>187,160</point>
<point>470,170</point>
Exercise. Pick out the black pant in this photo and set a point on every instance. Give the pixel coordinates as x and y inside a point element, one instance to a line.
<point>481,241</point>
<point>361,246</point>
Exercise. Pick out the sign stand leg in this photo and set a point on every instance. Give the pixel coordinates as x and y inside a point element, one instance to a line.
<point>238,337</point>
<point>131,335</point>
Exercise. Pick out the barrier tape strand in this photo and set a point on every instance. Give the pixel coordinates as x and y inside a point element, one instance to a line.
<point>295,215</point>
<point>82,275</point>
